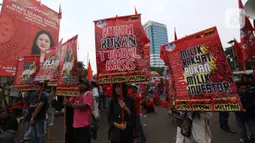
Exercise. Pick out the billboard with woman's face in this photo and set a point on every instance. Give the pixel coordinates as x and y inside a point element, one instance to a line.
<point>26,28</point>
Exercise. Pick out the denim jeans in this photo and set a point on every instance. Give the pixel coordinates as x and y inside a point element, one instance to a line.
<point>251,125</point>
<point>29,132</point>
<point>38,131</point>
<point>242,126</point>
<point>108,100</point>
<point>140,127</point>
<point>51,115</point>
<point>223,119</point>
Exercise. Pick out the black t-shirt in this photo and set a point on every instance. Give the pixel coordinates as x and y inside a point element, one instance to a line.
<point>42,114</point>
<point>10,123</point>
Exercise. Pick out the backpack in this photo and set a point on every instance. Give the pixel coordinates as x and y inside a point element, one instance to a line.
<point>94,111</point>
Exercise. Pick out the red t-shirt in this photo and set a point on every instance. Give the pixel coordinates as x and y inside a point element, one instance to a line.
<point>138,100</point>
<point>108,91</point>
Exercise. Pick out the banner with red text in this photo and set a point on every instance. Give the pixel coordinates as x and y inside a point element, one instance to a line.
<point>68,78</point>
<point>26,28</point>
<point>27,67</point>
<point>46,72</point>
<point>202,78</point>
<point>120,51</point>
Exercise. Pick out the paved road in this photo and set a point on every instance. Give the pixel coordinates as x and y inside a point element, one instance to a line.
<point>158,129</point>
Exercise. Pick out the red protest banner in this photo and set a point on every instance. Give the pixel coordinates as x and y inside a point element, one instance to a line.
<point>27,67</point>
<point>68,79</point>
<point>26,28</point>
<point>47,70</point>
<point>202,78</point>
<point>120,51</point>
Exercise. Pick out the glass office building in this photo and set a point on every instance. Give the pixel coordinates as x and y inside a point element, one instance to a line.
<point>157,33</point>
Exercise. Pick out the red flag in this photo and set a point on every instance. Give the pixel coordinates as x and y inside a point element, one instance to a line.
<point>239,54</point>
<point>89,75</point>
<point>175,35</point>
<point>136,11</point>
<point>247,36</point>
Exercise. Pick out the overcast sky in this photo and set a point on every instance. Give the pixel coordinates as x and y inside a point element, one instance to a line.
<point>188,16</point>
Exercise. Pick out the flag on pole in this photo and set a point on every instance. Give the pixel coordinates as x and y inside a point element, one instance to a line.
<point>136,11</point>
<point>175,35</point>
<point>60,11</point>
<point>246,35</point>
<point>239,54</point>
<point>89,74</point>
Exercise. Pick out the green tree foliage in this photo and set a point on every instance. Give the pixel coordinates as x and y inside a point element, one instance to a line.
<point>159,70</point>
<point>81,67</point>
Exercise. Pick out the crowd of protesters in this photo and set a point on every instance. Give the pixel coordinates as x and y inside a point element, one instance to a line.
<point>123,103</point>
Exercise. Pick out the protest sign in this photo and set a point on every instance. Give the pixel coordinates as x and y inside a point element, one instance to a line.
<point>120,53</point>
<point>27,67</point>
<point>46,72</point>
<point>26,28</point>
<point>202,78</point>
<point>68,80</point>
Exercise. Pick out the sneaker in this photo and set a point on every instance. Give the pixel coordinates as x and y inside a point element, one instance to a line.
<point>51,124</point>
<point>241,140</point>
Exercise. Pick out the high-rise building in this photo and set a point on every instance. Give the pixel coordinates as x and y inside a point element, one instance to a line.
<point>157,33</point>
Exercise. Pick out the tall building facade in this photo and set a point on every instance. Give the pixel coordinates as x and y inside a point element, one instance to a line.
<point>157,33</point>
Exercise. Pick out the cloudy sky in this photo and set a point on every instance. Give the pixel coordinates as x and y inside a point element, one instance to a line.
<point>188,16</point>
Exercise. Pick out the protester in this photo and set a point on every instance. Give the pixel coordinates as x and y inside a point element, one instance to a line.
<point>148,105</point>
<point>95,92</point>
<point>121,131</point>
<point>108,94</point>
<point>82,106</point>
<point>8,126</point>
<point>102,98</point>
<point>200,130</point>
<point>51,109</point>
<point>69,132</point>
<point>223,120</point>
<point>38,109</point>
<point>138,98</point>
<point>248,117</point>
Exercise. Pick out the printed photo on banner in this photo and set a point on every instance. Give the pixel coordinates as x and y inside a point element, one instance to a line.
<point>27,32</point>
<point>120,50</point>
<point>68,63</point>
<point>27,67</point>
<point>202,78</point>
<point>47,69</point>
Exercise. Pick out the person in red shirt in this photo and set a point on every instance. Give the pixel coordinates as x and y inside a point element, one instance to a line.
<point>138,98</point>
<point>108,94</point>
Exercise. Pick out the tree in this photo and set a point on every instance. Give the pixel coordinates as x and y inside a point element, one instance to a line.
<point>81,67</point>
<point>159,70</point>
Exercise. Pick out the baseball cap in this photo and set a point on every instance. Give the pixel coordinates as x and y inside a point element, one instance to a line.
<point>86,81</point>
<point>134,85</point>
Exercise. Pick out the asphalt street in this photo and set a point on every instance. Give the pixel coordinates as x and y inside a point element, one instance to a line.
<point>158,129</point>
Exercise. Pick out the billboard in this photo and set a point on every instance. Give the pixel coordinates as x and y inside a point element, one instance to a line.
<point>202,78</point>
<point>26,28</point>
<point>120,50</point>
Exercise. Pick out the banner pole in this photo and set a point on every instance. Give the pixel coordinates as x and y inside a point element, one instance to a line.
<point>121,98</point>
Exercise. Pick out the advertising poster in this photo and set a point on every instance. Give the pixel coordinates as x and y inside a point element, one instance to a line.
<point>27,67</point>
<point>47,69</point>
<point>68,79</point>
<point>120,52</point>
<point>26,28</point>
<point>202,78</point>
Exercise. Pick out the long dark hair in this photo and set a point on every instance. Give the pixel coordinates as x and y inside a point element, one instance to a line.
<point>35,49</point>
<point>124,91</point>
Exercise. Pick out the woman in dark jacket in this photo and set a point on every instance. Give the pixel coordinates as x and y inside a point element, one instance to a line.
<point>121,131</point>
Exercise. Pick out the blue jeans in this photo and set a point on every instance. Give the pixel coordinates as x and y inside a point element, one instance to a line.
<point>38,131</point>
<point>251,125</point>
<point>29,132</point>
<point>223,119</point>
<point>242,126</point>
<point>141,131</point>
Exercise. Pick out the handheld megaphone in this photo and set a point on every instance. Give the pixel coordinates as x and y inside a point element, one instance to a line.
<point>249,9</point>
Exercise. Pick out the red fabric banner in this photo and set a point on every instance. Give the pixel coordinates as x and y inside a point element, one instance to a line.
<point>239,54</point>
<point>27,67</point>
<point>26,28</point>
<point>202,78</point>
<point>120,53</point>
<point>46,72</point>
<point>68,79</point>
